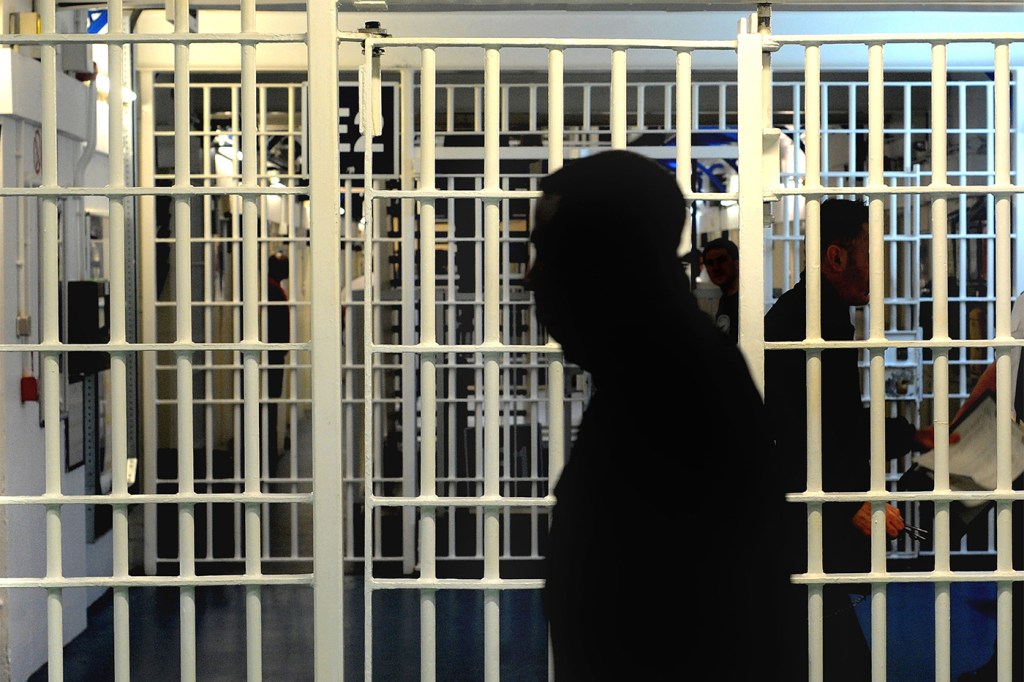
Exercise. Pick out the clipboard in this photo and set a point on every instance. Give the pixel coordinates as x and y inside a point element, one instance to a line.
<point>972,461</point>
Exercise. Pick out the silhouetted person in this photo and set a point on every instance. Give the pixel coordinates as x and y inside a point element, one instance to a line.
<point>722,261</point>
<point>661,560</point>
<point>278,331</point>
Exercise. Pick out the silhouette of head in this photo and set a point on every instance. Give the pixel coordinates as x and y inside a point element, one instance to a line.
<point>605,267</point>
<point>722,261</point>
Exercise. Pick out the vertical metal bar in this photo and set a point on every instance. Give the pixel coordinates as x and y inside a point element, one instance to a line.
<point>940,362</point>
<point>328,492</point>
<point>816,102</point>
<point>876,313</point>
<point>533,108</point>
<point>238,417</point>
<point>449,119</point>
<point>251,267</point>
<point>618,99</point>
<point>147,302</point>
<point>408,312</point>
<point>684,116</point>
<point>587,113</point>
<point>428,363</point>
<point>118,335</point>
<point>492,359</point>
<point>723,107</point>
<point>264,295</point>
<point>372,330</point>
<point>50,333</point>
<point>349,448</point>
<point>183,333</point>
<point>556,367</point>
<point>208,278</point>
<point>556,113</point>
<point>1003,274</point>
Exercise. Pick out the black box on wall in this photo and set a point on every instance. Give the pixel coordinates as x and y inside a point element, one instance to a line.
<point>87,322</point>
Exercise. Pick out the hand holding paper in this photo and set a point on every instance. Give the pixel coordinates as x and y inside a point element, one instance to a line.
<point>973,464</point>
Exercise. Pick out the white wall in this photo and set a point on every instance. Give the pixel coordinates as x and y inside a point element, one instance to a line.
<point>21,439</point>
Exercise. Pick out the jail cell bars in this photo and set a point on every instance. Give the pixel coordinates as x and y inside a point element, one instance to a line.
<point>217,159</point>
<point>206,340</point>
<point>919,178</point>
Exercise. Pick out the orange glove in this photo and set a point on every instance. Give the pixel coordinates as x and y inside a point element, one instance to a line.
<point>893,520</point>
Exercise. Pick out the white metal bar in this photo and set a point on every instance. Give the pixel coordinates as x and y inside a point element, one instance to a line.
<point>817,100</point>
<point>428,336</point>
<point>618,99</point>
<point>328,490</point>
<point>208,278</point>
<point>408,317</point>
<point>641,103</point>
<point>683,125</point>
<point>183,332</point>
<point>556,369</point>
<point>147,315</point>
<point>1003,280</point>
<point>492,379</point>
<point>940,362</point>
<point>49,243</point>
<point>556,112</point>
<point>876,314</point>
<point>118,334</point>
<point>251,297</point>
<point>428,367</point>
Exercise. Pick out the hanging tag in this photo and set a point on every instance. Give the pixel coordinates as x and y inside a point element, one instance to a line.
<point>370,99</point>
<point>370,85</point>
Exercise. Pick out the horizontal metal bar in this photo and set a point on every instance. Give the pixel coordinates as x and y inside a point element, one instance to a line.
<point>141,38</point>
<point>1005,342</point>
<point>169,347</point>
<point>466,348</point>
<point>191,190</point>
<point>908,496</point>
<point>482,501</point>
<point>455,584</point>
<point>170,498</point>
<point>162,581</point>
<point>908,577</point>
<point>883,190</point>
<point>887,38</point>
<point>618,43</point>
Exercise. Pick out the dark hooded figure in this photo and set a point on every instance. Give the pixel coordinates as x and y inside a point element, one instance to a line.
<point>663,555</point>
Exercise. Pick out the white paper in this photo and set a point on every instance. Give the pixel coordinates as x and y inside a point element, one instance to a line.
<point>972,459</point>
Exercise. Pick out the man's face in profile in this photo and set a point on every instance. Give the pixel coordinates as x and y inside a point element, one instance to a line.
<point>538,276</point>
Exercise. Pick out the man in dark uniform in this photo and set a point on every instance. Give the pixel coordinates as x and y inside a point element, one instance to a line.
<point>846,438</point>
<point>722,261</point>
<point>609,288</point>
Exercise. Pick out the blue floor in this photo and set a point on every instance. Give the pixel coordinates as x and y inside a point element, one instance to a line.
<point>910,626</point>
<point>288,634</point>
